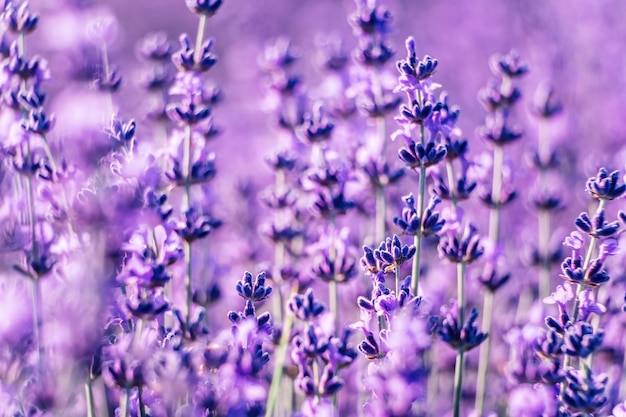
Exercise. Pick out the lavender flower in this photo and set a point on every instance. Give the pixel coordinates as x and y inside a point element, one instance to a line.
<point>605,185</point>
<point>460,336</point>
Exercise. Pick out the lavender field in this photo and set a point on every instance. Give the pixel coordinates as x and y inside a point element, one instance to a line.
<point>371,208</point>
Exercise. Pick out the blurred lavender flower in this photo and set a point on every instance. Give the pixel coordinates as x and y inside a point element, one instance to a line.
<point>584,392</point>
<point>460,336</point>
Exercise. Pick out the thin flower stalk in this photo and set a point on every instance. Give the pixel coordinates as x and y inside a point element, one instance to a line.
<point>590,252</point>
<point>91,404</point>
<point>420,212</point>
<point>494,236</point>
<point>459,364</point>
<point>37,323</point>
<point>544,215</point>
<point>495,212</point>
<point>333,290</point>
<point>279,366</point>
<point>279,253</point>
<point>580,287</point>
<point>485,351</point>
<point>497,100</point>
<point>452,183</point>
<point>142,406</point>
<point>417,239</point>
<point>187,248</point>
<point>380,227</point>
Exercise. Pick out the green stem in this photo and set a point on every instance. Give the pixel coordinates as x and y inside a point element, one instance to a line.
<point>420,211</point>
<point>460,283</point>
<point>417,240</point>
<point>590,250</point>
<point>458,382</point>
<point>381,132</point>
<point>333,294</point>
<point>452,183</point>
<point>397,280</point>
<point>333,291</point>
<point>496,194</point>
<point>188,281</point>
<point>142,406</point>
<point>187,149</point>
<point>316,380</point>
<point>21,45</point>
<point>279,301</point>
<point>494,236</point>
<point>543,149</point>
<point>381,209</point>
<point>458,369</point>
<point>281,353</point>
<point>37,324</point>
<point>91,406</point>
<point>125,402</point>
<point>544,250</point>
<point>197,53</point>
<point>35,255</point>
<point>279,253</point>
<point>543,146</point>
<point>485,347</point>
<point>381,203</point>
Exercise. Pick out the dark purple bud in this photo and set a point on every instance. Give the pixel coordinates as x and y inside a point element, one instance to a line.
<point>20,19</point>
<point>109,81</point>
<point>584,392</point>
<point>580,339</point>
<point>509,65</point>
<point>415,155</point>
<point>497,132</point>
<point>545,104</point>
<point>316,127</point>
<point>605,185</point>
<point>204,7</point>
<point>147,308</point>
<point>184,59</point>
<point>37,122</point>
<point>282,161</point>
<point>155,47</point>
<point>305,307</point>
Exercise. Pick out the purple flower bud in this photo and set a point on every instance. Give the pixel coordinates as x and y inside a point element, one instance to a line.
<point>204,7</point>
<point>306,307</point>
<point>20,19</point>
<point>573,270</point>
<point>498,132</point>
<point>155,46</point>
<point>509,65</point>
<point>545,105</point>
<point>584,393</point>
<point>316,127</point>
<point>605,185</point>
<point>466,248</point>
<point>184,59</point>
<point>253,289</point>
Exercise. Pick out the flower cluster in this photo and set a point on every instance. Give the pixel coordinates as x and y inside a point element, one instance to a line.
<point>421,277</point>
